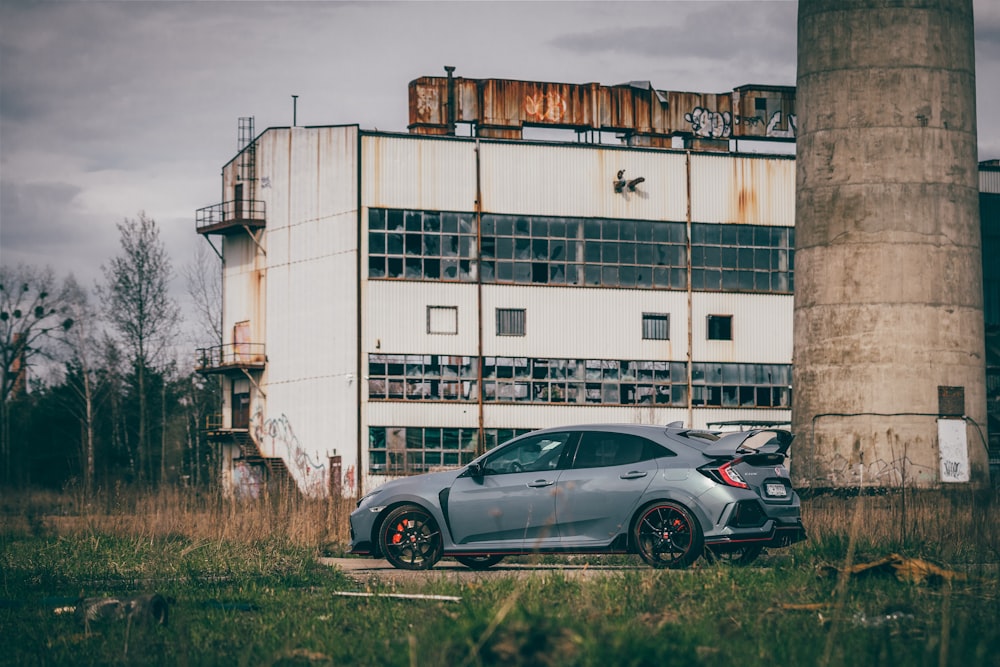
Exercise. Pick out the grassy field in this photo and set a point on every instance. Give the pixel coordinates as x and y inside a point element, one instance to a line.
<point>244,587</point>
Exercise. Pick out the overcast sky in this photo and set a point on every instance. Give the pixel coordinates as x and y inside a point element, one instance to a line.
<point>111,108</point>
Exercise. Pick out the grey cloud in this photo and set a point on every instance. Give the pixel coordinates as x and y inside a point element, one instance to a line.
<point>733,32</point>
<point>38,214</point>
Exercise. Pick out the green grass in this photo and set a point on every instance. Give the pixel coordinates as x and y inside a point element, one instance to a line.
<point>266,600</point>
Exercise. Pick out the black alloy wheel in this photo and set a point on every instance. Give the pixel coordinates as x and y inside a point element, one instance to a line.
<point>409,538</point>
<point>667,535</point>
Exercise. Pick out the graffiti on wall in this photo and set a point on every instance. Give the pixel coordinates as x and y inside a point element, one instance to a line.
<point>276,438</point>
<point>710,124</point>
<point>545,107</point>
<point>248,480</point>
<point>719,125</point>
<point>774,124</point>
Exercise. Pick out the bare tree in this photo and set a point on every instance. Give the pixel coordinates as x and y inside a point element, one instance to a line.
<point>137,303</point>
<point>33,321</point>
<point>203,277</point>
<point>82,381</point>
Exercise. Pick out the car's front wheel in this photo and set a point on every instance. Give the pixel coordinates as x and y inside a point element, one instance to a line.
<point>410,539</point>
<point>667,535</point>
<point>479,562</point>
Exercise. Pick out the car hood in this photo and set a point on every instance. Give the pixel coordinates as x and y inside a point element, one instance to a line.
<point>434,481</point>
<point>758,441</point>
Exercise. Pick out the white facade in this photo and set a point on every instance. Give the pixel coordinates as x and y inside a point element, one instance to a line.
<point>309,287</point>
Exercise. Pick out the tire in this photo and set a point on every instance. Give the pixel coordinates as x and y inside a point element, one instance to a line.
<point>741,555</point>
<point>410,539</point>
<point>479,562</point>
<point>666,535</point>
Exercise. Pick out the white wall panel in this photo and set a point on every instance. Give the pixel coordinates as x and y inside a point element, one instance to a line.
<point>584,323</point>
<point>418,173</point>
<point>396,318</point>
<point>308,179</point>
<point>743,190</point>
<point>762,327</point>
<point>989,181</point>
<point>579,181</point>
<point>546,416</point>
<point>421,413</point>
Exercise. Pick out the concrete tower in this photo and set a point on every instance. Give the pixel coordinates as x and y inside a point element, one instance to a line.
<point>889,369</point>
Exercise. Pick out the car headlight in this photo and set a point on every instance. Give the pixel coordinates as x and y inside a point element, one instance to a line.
<point>368,496</point>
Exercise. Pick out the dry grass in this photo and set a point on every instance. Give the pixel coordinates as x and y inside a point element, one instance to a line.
<point>955,527</point>
<point>168,512</point>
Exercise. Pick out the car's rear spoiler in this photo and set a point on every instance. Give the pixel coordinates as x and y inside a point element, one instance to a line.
<point>758,441</point>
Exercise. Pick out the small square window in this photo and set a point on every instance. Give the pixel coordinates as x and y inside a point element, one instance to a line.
<point>720,327</point>
<point>442,320</point>
<point>510,321</point>
<point>655,326</point>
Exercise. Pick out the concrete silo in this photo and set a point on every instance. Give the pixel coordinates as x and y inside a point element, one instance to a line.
<point>889,370</point>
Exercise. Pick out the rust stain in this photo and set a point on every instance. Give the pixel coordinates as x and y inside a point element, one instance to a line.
<point>501,108</point>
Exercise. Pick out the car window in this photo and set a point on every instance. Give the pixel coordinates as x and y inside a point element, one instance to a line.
<point>530,454</point>
<point>598,449</point>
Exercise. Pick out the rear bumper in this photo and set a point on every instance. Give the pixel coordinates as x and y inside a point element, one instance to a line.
<point>771,534</point>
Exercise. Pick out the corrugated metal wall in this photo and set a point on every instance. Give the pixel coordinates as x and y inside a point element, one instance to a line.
<point>743,189</point>
<point>582,323</point>
<point>308,179</point>
<point>570,322</point>
<point>762,327</point>
<point>989,180</point>
<point>566,180</point>
<point>411,172</point>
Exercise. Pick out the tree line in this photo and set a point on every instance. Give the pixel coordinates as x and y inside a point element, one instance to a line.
<point>95,392</point>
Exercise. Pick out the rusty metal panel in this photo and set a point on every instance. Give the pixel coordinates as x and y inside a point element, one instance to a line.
<point>765,112</point>
<point>743,189</point>
<point>418,173</point>
<point>761,333</point>
<point>501,107</point>
<point>569,180</point>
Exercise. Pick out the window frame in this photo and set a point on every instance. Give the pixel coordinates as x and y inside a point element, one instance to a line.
<point>508,326</point>
<point>443,309</point>
<point>718,335</point>
<point>651,319</point>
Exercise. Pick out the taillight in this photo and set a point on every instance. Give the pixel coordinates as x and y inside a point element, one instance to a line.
<point>725,474</point>
<point>730,476</point>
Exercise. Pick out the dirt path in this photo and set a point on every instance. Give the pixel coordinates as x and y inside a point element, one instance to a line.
<point>369,570</point>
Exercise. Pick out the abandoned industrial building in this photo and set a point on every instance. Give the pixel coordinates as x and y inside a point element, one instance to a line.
<point>395,303</point>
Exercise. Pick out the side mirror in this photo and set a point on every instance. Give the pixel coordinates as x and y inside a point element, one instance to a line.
<point>476,469</point>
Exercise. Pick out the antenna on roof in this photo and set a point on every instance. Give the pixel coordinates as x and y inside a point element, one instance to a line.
<point>295,110</point>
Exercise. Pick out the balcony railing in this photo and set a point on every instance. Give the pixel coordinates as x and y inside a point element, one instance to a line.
<point>231,356</point>
<point>236,213</point>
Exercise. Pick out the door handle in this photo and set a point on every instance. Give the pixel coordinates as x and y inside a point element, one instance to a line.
<point>539,483</point>
<point>633,474</point>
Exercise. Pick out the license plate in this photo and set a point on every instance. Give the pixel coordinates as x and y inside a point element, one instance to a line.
<point>775,490</point>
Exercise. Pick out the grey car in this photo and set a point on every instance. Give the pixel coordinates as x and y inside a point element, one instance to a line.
<point>669,493</point>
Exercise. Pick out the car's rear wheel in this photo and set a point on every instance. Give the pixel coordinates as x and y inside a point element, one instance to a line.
<point>667,535</point>
<point>479,562</point>
<point>739,555</point>
<point>410,539</point>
